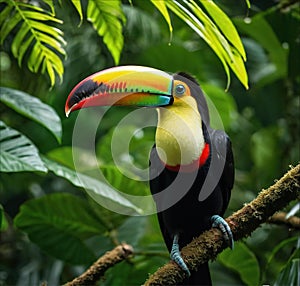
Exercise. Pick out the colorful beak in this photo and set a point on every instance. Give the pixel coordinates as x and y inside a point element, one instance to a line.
<point>124,85</point>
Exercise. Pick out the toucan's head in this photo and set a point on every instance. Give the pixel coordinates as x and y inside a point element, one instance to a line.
<point>131,86</point>
<point>179,136</point>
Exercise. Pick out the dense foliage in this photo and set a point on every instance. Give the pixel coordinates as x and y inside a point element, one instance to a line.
<point>53,223</point>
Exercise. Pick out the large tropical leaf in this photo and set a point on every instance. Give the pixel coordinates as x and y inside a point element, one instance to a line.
<point>59,223</point>
<point>99,191</point>
<point>32,108</point>
<point>107,18</point>
<point>18,154</point>
<point>34,36</point>
<point>243,261</point>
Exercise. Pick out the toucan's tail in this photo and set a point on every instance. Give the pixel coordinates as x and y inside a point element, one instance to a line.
<point>200,277</point>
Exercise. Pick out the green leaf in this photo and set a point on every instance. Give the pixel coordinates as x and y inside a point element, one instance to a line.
<point>261,31</point>
<point>4,15</point>
<point>85,162</point>
<point>64,155</point>
<point>248,4</point>
<point>77,5</point>
<point>228,54</point>
<point>34,15</point>
<point>224,110</point>
<point>59,224</point>
<point>107,17</point>
<point>128,185</point>
<point>18,154</point>
<point>292,241</point>
<point>162,8</point>
<point>32,108</point>
<point>243,261</point>
<point>9,25</point>
<point>3,221</point>
<point>35,36</point>
<point>50,5</point>
<point>99,191</point>
<point>225,25</point>
<point>290,274</point>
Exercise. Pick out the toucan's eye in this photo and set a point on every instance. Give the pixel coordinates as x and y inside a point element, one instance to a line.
<point>180,89</point>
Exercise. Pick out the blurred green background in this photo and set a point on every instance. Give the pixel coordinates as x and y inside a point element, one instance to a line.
<point>52,230</point>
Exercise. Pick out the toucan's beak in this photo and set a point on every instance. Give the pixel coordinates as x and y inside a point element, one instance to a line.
<point>124,85</point>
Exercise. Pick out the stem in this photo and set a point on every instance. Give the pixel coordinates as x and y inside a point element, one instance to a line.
<point>280,218</point>
<point>109,259</point>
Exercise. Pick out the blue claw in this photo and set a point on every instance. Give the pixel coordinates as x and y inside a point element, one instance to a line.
<point>176,256</point>
<point>220,223</point>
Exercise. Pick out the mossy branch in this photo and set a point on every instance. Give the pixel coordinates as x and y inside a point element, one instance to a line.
<point>242,224</point>
<point>210,243</point>
<point>109,259</point>
<point>281,218</point>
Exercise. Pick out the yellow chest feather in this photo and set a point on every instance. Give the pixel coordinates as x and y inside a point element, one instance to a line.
<point>179,137</point>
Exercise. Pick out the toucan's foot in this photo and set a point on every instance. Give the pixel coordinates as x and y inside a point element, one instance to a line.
<point>176,256</point>
<point>220,223</point>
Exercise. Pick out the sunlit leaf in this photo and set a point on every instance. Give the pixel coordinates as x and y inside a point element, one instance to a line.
<point>225,25</point>
<point>243,261</point>
<point>4,15</point>
<point>190,19</point>
<point>51,6</point>
<point>226,52</point>
<point>194,16</point>
<point>161,6</point>
<point>107,18</point>
<point>32,108</point>
<point>99,191</point>
<point>35,36</point>
<point>77,5</point>
<point>18,154</point>
<point>59,223</point>
<point>8,25</point>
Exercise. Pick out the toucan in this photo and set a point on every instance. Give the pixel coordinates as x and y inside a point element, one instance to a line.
<point>191,165</point>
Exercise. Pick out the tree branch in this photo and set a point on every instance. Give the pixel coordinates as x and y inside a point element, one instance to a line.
<point>109,259</point>
<point>210,243</point>
<point>280,218</point>
<point>242,224</point>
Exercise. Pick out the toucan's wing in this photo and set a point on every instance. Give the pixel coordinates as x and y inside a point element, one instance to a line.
<point>223,151</point>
